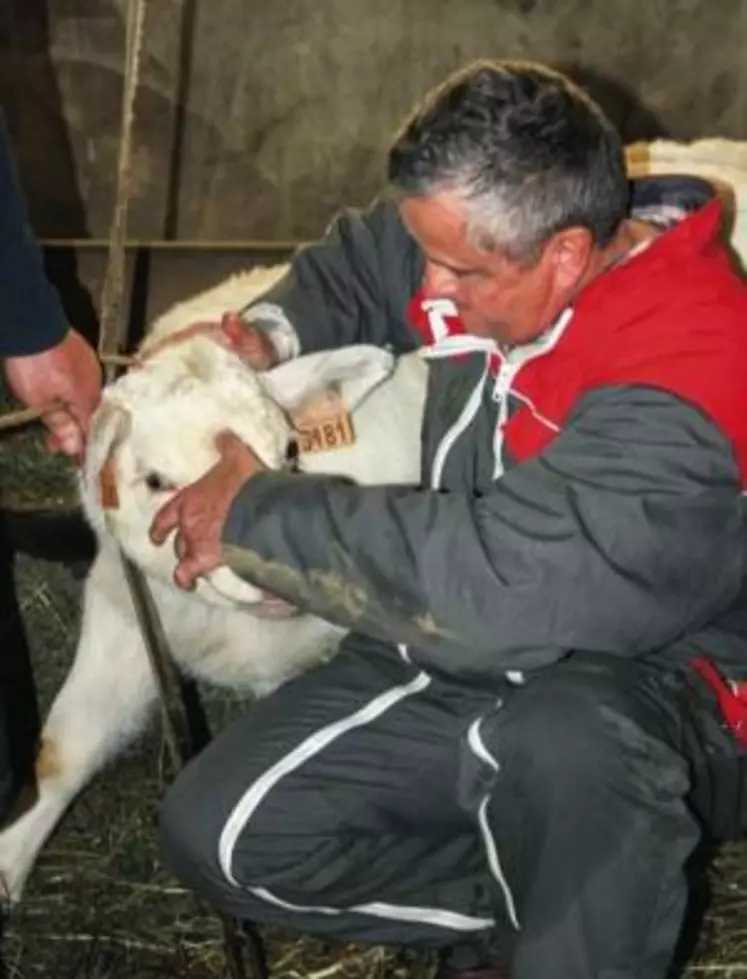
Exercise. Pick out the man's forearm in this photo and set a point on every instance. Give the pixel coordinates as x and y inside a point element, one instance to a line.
<point>560,554</point>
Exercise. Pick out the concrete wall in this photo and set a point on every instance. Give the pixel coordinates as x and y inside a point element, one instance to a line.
<point>287,106</point>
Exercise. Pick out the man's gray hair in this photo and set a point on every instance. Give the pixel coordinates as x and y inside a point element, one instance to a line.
<point>528,151</point>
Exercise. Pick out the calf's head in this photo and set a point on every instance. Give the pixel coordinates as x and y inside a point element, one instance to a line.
<point>154,433</point>
<point>155,429</point>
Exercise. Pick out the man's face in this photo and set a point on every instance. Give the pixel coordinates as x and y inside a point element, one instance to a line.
<point>496,297</point>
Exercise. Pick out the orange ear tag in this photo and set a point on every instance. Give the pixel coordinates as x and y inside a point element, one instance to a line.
<point>108,491</point>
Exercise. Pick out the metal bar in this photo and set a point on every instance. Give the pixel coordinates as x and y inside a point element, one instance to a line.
<point>175,245</point>
<point>187,30</point>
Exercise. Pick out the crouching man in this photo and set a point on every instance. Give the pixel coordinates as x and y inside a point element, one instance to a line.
<point>531,720</point>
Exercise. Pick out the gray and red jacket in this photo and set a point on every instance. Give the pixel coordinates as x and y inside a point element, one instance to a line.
<point>585,491</point>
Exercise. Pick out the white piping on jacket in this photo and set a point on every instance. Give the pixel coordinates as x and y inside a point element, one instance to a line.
<point>511,362</point>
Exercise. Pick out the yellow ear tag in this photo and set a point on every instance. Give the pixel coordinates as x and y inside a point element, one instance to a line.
<point>323,424</point>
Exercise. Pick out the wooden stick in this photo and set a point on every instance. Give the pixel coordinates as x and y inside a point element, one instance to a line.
<point>110,317</point>
<point>14,419</point>
<point>24,416</point>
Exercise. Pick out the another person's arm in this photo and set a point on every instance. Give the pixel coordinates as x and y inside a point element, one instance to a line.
<point>44,361</point>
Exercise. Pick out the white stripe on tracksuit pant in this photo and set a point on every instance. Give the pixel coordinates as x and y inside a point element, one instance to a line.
<point>366,838</point>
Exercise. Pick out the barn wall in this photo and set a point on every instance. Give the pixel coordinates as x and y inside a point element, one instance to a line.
<point>288,105</point>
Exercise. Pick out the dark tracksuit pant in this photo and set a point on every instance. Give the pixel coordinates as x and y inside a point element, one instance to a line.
<point>542,826</point>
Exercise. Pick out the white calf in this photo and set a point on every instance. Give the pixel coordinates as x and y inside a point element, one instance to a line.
<point>154,432</point>
<point>722,161</point>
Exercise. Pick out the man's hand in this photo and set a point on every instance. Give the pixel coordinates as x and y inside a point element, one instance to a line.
<point>198,512</point>
<point>253,346</point>
<point>68,374</point>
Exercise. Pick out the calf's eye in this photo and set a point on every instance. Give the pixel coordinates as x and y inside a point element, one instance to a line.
<point>156,483</point>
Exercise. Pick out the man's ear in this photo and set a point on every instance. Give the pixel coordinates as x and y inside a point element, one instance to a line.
<point>569,251</point>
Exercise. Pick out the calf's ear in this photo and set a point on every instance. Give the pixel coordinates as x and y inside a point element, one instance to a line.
<point>353,371</point>
<point>111,426</point>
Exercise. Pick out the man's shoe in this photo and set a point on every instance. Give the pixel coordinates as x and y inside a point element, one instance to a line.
<point>469,962</point>
<point>447,971</point>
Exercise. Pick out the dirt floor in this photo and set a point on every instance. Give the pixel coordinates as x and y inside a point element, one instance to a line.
<point>100,904</point>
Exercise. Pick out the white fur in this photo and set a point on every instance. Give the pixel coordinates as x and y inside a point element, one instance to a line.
<point>722,161</point>
<point>163,418</point>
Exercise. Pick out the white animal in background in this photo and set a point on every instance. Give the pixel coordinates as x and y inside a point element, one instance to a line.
<point>722,161</point>
<point>154,432</point>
